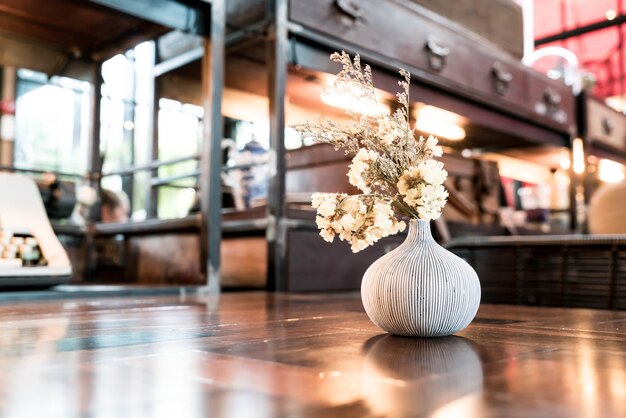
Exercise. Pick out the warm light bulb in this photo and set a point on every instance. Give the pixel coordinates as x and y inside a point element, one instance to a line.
<point>440,129</point>
<point>579,156</point>
<point>439,122</point>
<point>610,171</point>
<point>565,162</point>
<point>610,14</point>
<point>353,103</point>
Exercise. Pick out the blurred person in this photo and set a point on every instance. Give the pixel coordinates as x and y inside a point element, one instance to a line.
<point>230,184</point>
<point>114,206</point>
<point>252,182</point>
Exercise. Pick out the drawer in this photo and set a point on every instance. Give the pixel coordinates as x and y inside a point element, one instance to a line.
<point>550,101</point>
<point>501,79</point>
<point>380,26</point>
<point>605,125</point>
<point>391,29</point>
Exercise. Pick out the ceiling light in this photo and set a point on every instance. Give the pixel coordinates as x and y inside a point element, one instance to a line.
<point>350,96</point>
<point>439,122</point>
<point>353,103</point>
<point>610,14</point>
<point>579,156</point>
<point>565,161</point>
<point>440,129</point>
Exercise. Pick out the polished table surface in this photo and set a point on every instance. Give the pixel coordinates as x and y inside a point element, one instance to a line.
<point>279,355</point>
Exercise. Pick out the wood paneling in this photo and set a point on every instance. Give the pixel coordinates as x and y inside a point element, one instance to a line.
<point>244,262</point>
<point>167,259</point>
<point>276,355</point>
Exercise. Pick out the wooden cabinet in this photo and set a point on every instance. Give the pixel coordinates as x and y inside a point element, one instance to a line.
<point>383,27</point>
<point>391,29</point>
<point>440,53</point>
<point>550,100</point>
<point>605,126</point>
<point>500,79</point>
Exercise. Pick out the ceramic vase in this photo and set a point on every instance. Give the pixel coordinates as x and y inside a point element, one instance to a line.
<point>420,289</point>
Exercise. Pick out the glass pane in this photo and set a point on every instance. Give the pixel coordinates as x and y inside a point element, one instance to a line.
<point>144,62</point>
<point>52,124</point>
<point>113,183</point>
<point>143,134</point>
<point>175,202</point>
<point>180,132</point>
<point>139,196</point>
<point>118,75</point>
<point>116,134</point>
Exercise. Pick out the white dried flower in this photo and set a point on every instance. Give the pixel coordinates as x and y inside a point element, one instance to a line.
<point>389,130</point>
<point>428,200</point>
<point>432,172</point>
<point>422,189</point>
<point>431,209</point>
<point>361,163</point>
<point>327,234</point>
<point>409,180</point>
<point>392,167</point>
<point>360,220</point>
<point>431,146</point>
<point>325,203</point>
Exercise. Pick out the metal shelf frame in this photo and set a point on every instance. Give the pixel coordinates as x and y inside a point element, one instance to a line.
<point>275,29</point>
<point>206,18</point>
<point>279,35</point>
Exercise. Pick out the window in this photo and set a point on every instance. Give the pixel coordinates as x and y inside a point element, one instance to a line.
<point>180,136</point>
<point>52,123</point>
<point>126,121</point>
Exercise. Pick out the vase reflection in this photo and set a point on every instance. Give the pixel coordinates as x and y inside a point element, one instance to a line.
<point>440,377</point>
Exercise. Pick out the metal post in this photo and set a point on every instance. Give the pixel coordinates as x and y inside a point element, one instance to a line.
<point>276,208</point>
<point>95,157</point>
<point>94,173</point>
<point>211,158</point>
<point>152,196</point>
<point>129,135</point>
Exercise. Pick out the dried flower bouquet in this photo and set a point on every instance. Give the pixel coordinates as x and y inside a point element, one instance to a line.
<point>391,166</point>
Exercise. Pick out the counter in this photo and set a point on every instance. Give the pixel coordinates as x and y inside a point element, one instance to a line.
<point>255,354</point>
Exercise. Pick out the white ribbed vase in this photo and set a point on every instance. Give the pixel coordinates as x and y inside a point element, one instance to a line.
<point>420,289</point>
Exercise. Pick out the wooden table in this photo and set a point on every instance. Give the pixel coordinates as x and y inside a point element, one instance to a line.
<point>276,355</point>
